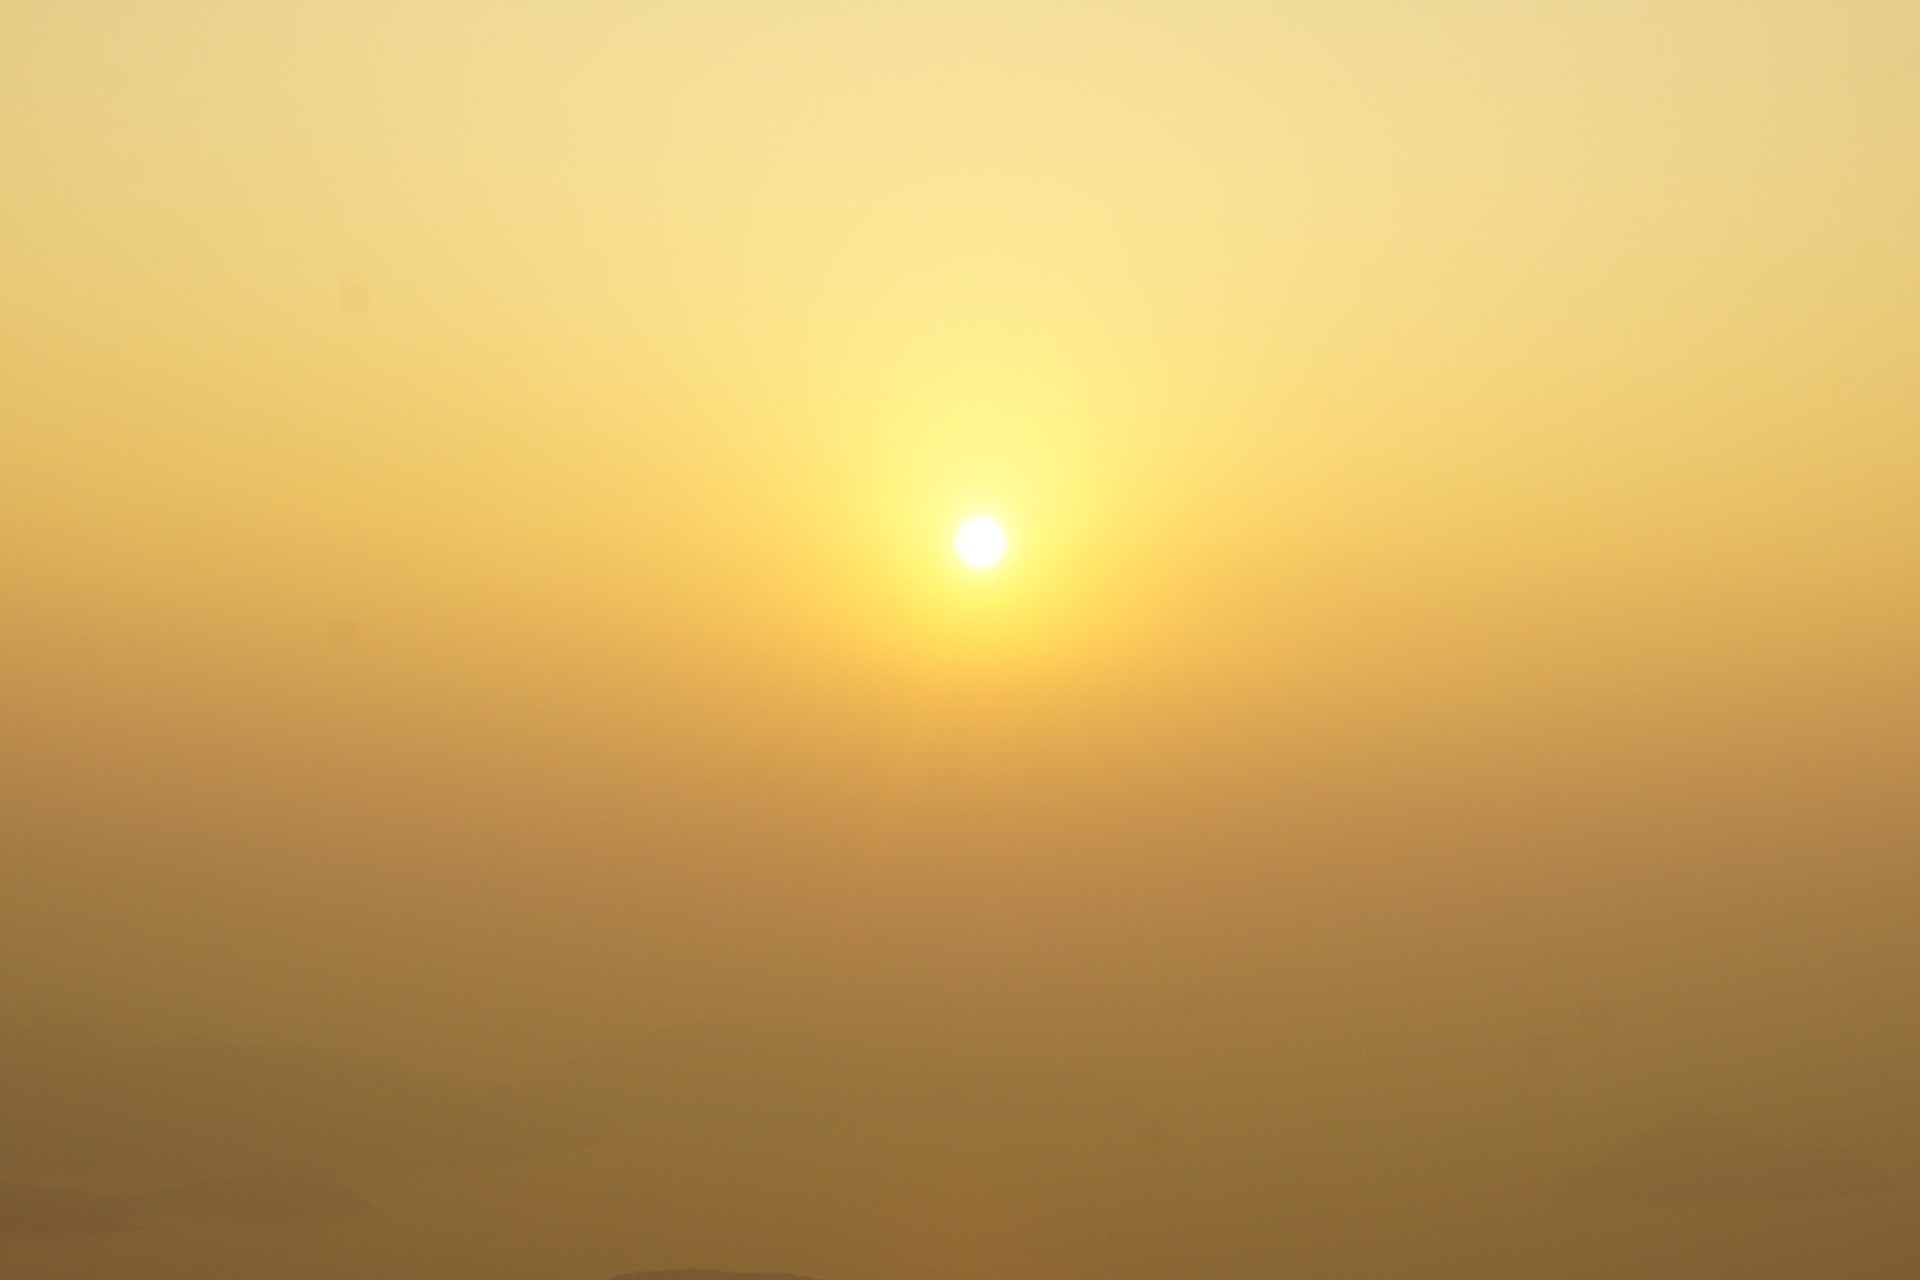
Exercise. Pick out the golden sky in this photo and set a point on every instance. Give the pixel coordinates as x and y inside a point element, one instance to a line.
<point>507,444</point>
<point>478,482</point>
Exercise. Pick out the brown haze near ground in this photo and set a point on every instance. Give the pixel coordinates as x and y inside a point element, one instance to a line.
<point>501,774</point>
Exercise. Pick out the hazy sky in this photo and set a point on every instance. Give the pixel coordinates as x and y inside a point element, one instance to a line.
<point>477,482</point>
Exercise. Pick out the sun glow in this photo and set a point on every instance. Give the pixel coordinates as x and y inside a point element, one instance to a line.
<point>981,542</point>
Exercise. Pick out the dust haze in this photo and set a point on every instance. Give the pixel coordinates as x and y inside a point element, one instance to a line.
<point>503,777</point>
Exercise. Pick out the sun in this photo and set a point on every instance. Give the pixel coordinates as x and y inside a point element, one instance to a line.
<point>981,542</point>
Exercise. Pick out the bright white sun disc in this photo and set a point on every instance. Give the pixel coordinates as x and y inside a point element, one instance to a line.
<point>981,542</point>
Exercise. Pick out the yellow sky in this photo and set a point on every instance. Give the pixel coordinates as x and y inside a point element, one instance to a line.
<point>558,415</point>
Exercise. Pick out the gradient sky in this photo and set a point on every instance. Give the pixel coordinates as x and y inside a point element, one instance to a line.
<point>477,481</point>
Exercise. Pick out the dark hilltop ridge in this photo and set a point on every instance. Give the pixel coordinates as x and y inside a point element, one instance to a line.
<point>1703,1160</point>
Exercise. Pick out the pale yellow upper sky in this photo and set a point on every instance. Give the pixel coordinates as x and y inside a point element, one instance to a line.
<point>1342,369</point>
<point>478,480</point>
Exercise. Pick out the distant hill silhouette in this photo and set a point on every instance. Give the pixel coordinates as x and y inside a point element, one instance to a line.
<point>81,1107</point>
<point>76,1105</point>
<point>40,1211</point>
<point>274,1195</point>
<point>1702,1160</point>
<point>709,1075</point>
<point>270,1196</point>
